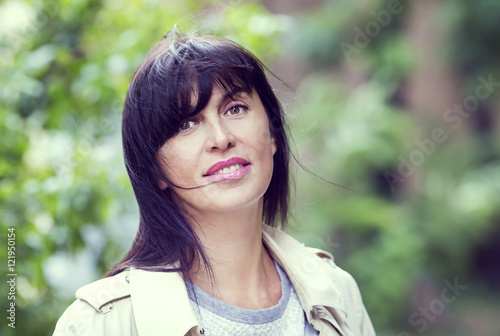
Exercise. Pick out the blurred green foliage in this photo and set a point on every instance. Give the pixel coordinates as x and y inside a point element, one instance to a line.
<point>64,70</point>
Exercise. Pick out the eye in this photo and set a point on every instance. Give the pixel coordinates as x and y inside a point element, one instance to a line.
<point>236,110</point>
<point>186,124</point>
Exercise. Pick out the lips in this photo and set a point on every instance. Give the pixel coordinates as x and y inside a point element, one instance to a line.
<point>228,166</point>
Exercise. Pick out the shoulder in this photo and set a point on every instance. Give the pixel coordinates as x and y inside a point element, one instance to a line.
<point>129,303</point>
<point>345,278</point>
<point>102,293</point>
<point>101,308</point>
<point>306,259</point>
<point>355,310</point>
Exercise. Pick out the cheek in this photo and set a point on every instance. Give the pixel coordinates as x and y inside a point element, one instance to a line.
<point>181,162</point>
<point>264,135</point>
<point>170,163</point>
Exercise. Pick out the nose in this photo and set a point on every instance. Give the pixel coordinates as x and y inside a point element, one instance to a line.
<point>219,136</point>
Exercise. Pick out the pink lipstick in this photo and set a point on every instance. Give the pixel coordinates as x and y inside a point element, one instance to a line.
<point>231,169</point>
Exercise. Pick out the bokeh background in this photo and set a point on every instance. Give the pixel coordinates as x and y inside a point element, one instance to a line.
<point>395,101</point>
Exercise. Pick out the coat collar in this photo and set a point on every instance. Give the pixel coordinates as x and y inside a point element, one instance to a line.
<point>312,272</point>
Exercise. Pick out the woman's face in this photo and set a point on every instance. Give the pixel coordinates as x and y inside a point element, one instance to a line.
<point>227,149</point>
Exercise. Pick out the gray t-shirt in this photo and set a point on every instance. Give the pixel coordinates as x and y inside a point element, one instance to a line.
<point>219,318</point>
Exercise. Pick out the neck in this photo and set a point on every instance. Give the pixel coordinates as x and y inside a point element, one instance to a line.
<point>243,272</point>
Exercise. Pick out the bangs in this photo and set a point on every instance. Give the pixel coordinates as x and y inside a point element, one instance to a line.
<point>196,96</point>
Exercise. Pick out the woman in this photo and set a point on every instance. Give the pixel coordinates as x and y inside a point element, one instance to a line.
<point>207,153</point>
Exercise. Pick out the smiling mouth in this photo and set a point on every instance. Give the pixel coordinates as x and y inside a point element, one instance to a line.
<point>226,170</point>
<point>229,173</point>
<point>231,167</point>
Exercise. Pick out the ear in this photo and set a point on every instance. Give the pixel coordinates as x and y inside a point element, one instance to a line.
<point>162,183</point>
<point>273,144</point>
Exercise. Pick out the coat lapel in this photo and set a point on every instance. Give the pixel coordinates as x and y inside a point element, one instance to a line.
<point>313,277</point>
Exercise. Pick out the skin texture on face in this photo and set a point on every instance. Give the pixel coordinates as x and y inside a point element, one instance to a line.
<point>229,131</point>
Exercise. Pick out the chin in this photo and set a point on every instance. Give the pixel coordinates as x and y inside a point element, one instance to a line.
<point>234,204</point>
<point>227,201</point>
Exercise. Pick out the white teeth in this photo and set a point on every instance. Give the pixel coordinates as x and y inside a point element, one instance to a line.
<point>229,169</point>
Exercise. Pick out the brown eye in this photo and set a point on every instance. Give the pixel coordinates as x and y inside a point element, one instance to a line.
<point>185,125</point>
<point>236,110</point>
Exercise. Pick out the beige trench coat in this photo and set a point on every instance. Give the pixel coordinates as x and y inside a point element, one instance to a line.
<point>138,302</point>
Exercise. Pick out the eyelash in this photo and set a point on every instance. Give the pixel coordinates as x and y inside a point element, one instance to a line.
<point>237,106</point>
<point>185,122</point>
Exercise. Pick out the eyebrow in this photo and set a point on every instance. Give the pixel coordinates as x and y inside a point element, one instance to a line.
<point>236,92</point>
